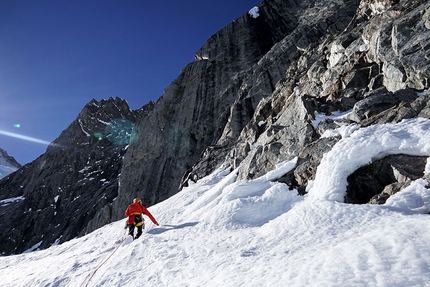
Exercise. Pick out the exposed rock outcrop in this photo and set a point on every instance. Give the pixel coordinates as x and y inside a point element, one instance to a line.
<point>375,182</point>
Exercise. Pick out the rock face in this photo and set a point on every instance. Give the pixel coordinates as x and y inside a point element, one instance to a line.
<point>253,98</point>
<point>218,100</point>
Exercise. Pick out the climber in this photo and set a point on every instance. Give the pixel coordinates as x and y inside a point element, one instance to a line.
<point>134,213</point>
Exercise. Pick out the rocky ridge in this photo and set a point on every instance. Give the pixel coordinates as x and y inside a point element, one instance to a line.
<point>262,90</point>
<point>53,198</point>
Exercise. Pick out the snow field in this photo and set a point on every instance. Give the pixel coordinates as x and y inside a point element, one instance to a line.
<point>220,231</point>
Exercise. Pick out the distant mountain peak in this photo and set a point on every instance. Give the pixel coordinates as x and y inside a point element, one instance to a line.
<point>8,164</point>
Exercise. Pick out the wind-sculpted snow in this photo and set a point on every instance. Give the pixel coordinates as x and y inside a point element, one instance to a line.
<point>223,232</point>
<point>415,197</point>
<point>365,145</point>
<point>247,203</point>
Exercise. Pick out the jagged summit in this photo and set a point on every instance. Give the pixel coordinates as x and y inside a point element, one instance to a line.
<point>96,121</point>
<point>63,189</point>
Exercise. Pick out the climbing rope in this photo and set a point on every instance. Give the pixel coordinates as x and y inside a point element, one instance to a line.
<point>107,257</point>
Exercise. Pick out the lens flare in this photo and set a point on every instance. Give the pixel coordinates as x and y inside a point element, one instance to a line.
<point>17,126</point>
<point>22,137</point>
<point>121,132</point>
<point>98,135</point>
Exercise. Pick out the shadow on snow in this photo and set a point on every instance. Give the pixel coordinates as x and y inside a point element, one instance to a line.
<point>167,227</point>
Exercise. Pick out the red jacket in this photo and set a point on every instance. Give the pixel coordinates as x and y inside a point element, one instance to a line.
<point>137,208</point>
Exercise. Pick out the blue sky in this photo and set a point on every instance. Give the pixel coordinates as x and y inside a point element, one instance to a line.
<point>57,55</point>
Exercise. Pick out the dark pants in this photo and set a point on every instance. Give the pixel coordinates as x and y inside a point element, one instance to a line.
<point>138,224</point>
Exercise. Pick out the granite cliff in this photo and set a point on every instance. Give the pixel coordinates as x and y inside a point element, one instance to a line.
<point>261,91</point>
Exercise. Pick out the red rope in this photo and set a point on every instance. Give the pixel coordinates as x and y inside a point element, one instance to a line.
<point>91,275</point>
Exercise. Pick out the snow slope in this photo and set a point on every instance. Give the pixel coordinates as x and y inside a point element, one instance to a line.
<point>222,232</point>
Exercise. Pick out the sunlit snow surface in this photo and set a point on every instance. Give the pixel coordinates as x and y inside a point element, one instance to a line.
<point>223,232</point>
